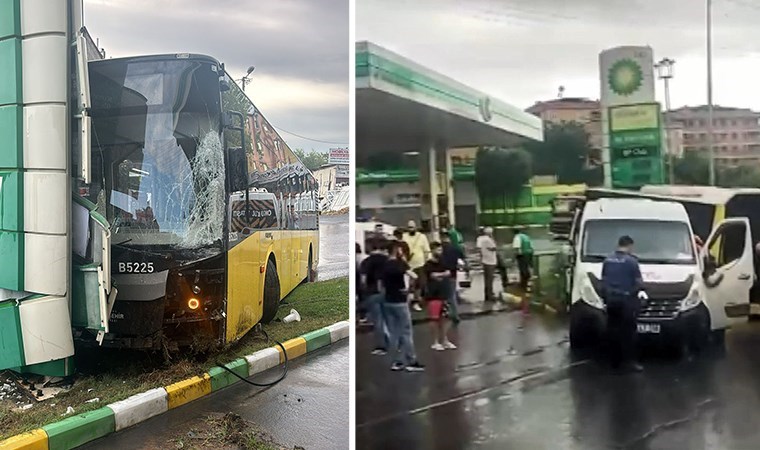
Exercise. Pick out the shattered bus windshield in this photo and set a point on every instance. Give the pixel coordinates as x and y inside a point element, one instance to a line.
<point>157,155</point>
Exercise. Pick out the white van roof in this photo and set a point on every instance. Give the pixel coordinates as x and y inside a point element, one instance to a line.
<point>635,209</point>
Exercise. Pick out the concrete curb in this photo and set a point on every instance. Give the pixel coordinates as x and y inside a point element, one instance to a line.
<point>86,427</point>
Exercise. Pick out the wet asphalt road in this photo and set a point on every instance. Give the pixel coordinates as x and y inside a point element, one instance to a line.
<point>333,247</point>
<point>309,408</point>
<point>506,389</point>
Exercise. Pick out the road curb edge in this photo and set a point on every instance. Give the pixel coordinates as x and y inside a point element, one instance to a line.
<point>86,427</point>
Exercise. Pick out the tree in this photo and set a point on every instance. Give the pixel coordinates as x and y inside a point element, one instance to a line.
<point>691,169</point>
<point>313,160</point>
<point>564,153</point>
<point>740,176</point>
<point>502,173</point>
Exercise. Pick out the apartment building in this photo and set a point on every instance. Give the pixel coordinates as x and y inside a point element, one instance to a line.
<point>736,133</point>
<point>573,109</point>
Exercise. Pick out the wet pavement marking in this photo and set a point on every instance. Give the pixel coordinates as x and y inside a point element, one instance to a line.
<point>506,356</point>
<point>530,375</point>
<point>698,409</point>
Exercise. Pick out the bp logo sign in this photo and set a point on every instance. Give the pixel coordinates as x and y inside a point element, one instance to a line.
<point>625,77</point>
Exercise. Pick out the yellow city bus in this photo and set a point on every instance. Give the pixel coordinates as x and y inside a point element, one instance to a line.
<point>213,219</point>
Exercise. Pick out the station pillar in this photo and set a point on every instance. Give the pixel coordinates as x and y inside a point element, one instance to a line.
<point>451,211</point>
<point>429,190</point>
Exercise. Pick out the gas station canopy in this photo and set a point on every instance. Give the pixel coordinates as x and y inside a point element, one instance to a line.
<point>402,106</point>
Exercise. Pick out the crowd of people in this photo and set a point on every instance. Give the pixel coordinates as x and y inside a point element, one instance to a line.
<point>400,274</point>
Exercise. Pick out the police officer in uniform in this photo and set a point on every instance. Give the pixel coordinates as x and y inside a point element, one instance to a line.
<point>623,293</point>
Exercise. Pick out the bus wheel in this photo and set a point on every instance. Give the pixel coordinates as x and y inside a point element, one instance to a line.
<point>312,274</point>
<point>271,293</point>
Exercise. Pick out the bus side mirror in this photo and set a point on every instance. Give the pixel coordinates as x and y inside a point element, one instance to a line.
<point>238,169</point>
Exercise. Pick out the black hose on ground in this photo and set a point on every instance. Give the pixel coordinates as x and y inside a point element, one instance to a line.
<point>271,383</point>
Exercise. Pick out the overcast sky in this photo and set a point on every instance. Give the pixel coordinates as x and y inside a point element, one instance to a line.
<point>299,48</point>
<point>521,51</point>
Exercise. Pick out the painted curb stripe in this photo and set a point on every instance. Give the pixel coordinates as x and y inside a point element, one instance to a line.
<point>188,390</point>
<point>221,378</point>
<point>139,407</point>
<point>33,440</point>
<point>317,339</point>
<point>295,347</point>
<point>339,330</point>
<point>262,360</point>
<point>80,429</point>
<point>86,427</point>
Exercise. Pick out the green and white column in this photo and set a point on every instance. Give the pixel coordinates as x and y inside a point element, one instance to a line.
<point>35,322</point>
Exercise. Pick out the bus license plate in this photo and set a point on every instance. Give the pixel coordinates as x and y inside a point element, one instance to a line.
<point>653,328</point>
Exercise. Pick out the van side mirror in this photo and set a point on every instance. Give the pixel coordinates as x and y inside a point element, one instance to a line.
<point>237,162</point>
<point>224,81</point>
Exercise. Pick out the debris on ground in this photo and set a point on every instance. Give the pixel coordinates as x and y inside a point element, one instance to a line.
<point>292,317</point>
<point>339,212</point>
<point>69,410</point>
<point>226,432</point>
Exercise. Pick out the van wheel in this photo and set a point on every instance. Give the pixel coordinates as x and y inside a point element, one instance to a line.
<point>271,293</point>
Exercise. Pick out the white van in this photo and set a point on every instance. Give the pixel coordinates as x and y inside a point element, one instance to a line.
<point>691,294</point>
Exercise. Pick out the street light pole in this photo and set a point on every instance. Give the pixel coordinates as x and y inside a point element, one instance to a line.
<point>710,147</point>
<point>665,73</point>
<point>247,78</point>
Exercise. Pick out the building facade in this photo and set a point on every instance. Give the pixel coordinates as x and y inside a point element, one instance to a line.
<point>572,109</point>
<point>330,177</point>
<point>736,133</point>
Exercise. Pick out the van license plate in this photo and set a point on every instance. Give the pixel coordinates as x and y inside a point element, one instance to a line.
<point>653,328</point>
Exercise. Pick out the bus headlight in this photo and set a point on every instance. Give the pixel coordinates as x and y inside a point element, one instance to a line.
<point>693,299</point>
<point>590,296</point>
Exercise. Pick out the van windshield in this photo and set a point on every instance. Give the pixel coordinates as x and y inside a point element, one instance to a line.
<point>655,241</point>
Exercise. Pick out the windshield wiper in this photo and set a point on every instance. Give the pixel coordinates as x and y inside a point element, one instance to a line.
<point>166,256</point>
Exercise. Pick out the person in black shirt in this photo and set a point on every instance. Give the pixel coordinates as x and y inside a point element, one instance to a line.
<point>397,316</point>
<point>361,308</point>
<point>436,294</point>
<point>371,270</point>
<point>450,256</point>
<point>398,234</point>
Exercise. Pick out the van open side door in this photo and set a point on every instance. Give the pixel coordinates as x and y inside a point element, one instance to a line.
<point>729,270</point>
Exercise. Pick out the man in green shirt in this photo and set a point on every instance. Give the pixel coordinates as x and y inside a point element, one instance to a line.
<point>455,237</point>
<point>523,247</point>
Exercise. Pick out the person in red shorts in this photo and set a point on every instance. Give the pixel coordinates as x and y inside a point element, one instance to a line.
<point>436,294</point>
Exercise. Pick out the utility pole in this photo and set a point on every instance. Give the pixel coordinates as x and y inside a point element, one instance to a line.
<point>247,77</point>
<point>710,140</point>
<point>665,73</point>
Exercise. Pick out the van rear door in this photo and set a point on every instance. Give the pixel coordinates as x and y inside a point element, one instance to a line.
<point>729,271</point>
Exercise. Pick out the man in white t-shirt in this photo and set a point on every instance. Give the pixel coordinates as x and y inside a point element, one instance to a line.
<point>419,253</point>
<point>487,247</point>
